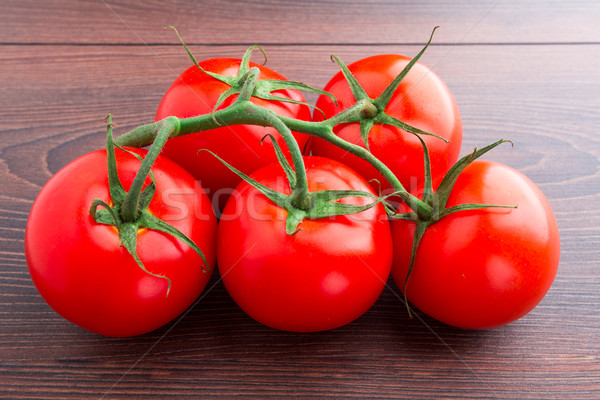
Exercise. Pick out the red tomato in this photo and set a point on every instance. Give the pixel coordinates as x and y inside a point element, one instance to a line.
<point>482,268</point>
<point>326,275</point>
<point>422,100</point>
<point>81,270</point>
<point>194,93</point>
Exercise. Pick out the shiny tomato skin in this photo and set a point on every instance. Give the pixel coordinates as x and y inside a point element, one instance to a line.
<point>83,273</point>
<point>326,275</point>
<point>483,268</point>
<point>422,100</point>
<point>195,93</point>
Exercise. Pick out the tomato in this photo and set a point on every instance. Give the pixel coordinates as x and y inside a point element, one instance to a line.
<point>83,273</point>
<point>422,100</point>
<point>482,268</point>
<point>194,93</point>
<point>326,275</point>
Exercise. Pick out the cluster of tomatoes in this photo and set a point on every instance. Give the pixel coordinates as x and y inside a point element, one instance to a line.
<point>473,268</point>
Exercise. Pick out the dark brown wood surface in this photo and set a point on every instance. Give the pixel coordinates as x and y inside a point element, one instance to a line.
<point>528,71</point>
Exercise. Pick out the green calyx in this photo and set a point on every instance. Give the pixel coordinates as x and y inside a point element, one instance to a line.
<point>128,211</point>
<point>314,205</point>
<point>264,88</point>
<point>302,204</point>
<point>438,200</point>
<point>373,111</point>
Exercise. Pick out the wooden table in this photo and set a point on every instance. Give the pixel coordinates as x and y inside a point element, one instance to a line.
<point>528,71</point>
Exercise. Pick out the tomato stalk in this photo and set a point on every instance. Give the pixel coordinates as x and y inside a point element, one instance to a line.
<point>130,208</point>
<point>245,112</point>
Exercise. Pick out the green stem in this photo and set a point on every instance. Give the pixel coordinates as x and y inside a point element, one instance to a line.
<point>424,210</point>
<point>300,194</point>
<point>131,203</point>
<point>300,197</point>
<point>245,112</point>
<point>146,134</point>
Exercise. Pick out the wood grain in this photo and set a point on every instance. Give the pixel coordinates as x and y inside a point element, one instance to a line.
<point>531,84</point>
<point>294,22</point>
